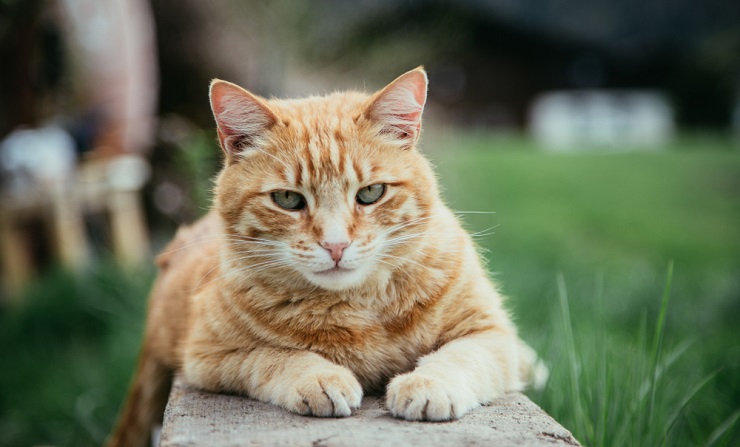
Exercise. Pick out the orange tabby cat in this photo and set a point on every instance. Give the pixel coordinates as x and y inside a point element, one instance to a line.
<point>329,267</point>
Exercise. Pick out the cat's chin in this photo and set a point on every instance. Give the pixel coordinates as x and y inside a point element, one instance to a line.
<point>337,278</point>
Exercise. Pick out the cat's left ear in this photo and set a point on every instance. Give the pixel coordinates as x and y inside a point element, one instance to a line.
<point>241,118</point>
<point>398,107</point>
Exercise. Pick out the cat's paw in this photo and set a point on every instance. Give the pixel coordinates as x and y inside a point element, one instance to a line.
<point>326,393</point>
<point>417,397</point>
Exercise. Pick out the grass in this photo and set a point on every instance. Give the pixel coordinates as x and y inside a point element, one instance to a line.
<point>581,246</point>
<point>68,349</point>
<point>640,353</point>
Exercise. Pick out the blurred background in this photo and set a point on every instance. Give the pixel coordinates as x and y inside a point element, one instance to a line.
<point>601,139</point>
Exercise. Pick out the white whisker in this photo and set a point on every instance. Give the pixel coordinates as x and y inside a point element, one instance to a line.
<point>228,239</point>
<point>387,263</point>
<point>201,241</point>
<point>409,260</point>
<point>234,240</point>
<point>400,239</point>
<point>242,252</point>
<point>271,264</point>
<point>244,258</point>
<point>204,277</point>
<point>406,224</point>
<point>258,267</point>
<point>486,232</point>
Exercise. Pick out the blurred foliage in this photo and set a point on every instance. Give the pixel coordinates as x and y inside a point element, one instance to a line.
<point>69,346</point>
<point>706,79</point>
<point>197,162</point>
<point>482,57</point>
<point>184,162</point>
<point>504,54</point>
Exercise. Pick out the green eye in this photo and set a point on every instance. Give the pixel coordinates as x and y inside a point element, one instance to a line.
<point>290,200</point>
<point>370,194</point>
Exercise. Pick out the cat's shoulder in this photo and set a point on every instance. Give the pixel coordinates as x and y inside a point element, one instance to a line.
<point>197,237</point>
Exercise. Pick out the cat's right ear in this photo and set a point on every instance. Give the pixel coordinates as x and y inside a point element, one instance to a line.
<point>398,107</point>
<point>241,118</point>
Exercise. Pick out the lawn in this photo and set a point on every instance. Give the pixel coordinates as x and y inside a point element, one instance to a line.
<point>581,243</point>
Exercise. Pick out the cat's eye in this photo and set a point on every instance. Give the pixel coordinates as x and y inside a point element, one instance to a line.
<point>370,194</point>
<point>289,200</point>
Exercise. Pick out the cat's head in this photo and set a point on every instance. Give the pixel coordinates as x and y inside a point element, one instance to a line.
<point>330,189</point>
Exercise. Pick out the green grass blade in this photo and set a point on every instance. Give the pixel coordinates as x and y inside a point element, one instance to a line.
<point>724,429</point>
<point>658,340</point>
<point>634,380</point>
<point>604,376</point>
<point>574,366</point>
<point>685,401</point>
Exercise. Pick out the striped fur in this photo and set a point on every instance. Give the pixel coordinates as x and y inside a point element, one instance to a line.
<point>250,300</point>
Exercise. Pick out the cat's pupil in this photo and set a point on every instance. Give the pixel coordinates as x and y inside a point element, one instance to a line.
<point>370,194</point>
<point>289,200</point>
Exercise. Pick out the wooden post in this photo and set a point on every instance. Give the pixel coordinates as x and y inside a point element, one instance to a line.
<point>15,261</point>
<point>125,177</point>
<point>69,227</point>
<point>128,227</point>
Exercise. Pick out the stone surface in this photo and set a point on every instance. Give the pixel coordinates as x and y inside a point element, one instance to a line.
<point>197,418</point>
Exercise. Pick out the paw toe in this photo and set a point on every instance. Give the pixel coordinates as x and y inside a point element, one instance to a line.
<point>418,398</point>
<point>330,395</point>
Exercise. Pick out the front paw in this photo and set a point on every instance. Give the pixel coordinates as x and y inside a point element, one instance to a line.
<point>331,392</point>
<point>417,397</point>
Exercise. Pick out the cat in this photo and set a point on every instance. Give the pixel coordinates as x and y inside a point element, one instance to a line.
<point>328,267</point>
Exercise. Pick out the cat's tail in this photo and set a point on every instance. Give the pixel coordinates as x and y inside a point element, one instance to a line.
<point>145,403</point>
<point>532,370</point>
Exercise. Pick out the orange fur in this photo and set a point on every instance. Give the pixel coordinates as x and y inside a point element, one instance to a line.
<point>250,299</point>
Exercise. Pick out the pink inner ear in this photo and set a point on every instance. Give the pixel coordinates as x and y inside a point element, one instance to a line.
<point>418,83</point>
<point>399,106</point>
<point>240,116</point>
<point>218,89</point>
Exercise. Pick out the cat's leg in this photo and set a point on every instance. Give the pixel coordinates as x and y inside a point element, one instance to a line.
<point>300,381</point>
<point>458,377</point>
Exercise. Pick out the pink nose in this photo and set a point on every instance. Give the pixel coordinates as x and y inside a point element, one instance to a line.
<point>335,249</point>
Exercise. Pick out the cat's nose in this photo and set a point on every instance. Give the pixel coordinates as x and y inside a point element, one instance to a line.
<point>335,249</point>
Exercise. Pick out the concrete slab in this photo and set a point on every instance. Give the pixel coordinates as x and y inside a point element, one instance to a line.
<point>196,418</point>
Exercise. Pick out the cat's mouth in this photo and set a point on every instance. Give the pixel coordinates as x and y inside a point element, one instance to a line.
<point>336,278</point>
<point>334,271</point>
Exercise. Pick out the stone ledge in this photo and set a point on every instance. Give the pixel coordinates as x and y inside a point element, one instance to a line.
<point>196,418</point>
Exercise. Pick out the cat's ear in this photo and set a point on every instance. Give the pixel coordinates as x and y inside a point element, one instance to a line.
<point>241,118</point>
<point>398,107</point>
